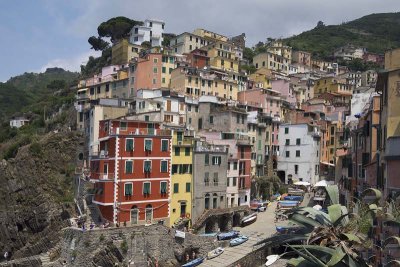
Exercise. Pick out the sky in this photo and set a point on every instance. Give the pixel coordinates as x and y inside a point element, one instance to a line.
<point>37,34</point>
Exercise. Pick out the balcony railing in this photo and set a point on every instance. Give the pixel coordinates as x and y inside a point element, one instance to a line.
<point>140,131</point>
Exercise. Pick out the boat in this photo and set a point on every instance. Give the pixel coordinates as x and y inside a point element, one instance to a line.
<point>215,253</point>
<point>249,219</point>
<point>238,240</point>
<point>286,229</point>
<point>209,234</point>
<point>271,259</point>
<point>228,235</point>
<point>294,198</point>
<point>194,262</point>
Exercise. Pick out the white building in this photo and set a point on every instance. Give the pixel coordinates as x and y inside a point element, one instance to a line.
<point>299,155</point>
<point>151,31</point>
<point>18,122</point>
<point>349,52</point>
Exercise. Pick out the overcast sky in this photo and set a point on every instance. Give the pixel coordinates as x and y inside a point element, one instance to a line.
<point>47,33</point>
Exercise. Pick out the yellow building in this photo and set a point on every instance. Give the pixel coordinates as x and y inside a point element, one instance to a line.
<point>123,52</point>
<point>333,85</point>
<point>194,82</point>
<point>277,48</point>
<point>272,61</point>
<point>222,56</point>
<point>212,36</point>
<point>181,178</point>
<point>262,78</point>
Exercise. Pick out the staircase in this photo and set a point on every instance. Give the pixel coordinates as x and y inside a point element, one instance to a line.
<point>216,212</point>
<point>45,259</point>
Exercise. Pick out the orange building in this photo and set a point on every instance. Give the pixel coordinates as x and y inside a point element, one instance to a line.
<point>132,171</point>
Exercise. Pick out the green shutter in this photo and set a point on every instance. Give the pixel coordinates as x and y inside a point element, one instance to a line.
<point>163,187</point>
<point>179,136</point>
<point>147,145</point>
<point>164,69</point>
<point>177,151</point>
<point>187,187</point>
<point>146,188</point>
<point>128,167</point>
<point>147,166</point>
<point>164,166</point>
<point>164,145</point>
<point>176,188</point>
<point>129,145</point>
<point>187,151</point>
<point>128,190</point>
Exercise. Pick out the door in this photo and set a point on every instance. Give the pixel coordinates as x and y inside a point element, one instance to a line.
<point>168,105</point>
<point>134,216</point>
<point>200,124</point>
<point>150,128</point>
<point>105,171</point>
<point>183,209</point>
<point>149,213</point>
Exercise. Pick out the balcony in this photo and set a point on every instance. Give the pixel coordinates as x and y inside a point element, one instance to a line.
<point>184,142</point>
<point>316,134</point>
<point>102,154</point>
<point>210,148</point>
<point>276,119</point>
<point>140,131</point>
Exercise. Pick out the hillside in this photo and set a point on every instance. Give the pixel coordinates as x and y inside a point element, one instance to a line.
<point>33,91</point>
<point>376,32</point>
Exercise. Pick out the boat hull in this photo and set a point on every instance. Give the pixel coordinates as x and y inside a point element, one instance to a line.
<point>194,262</point>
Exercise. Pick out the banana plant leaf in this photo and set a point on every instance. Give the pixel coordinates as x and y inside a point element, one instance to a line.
<point>317,215</point>
<point>372,192</point>
<point>335,212</point>
<point>300,262</point>
<point>333,193</point>
<point>281,239</point>
<point>352,238</point>
<point>304,221</point>
<point>393,263</point>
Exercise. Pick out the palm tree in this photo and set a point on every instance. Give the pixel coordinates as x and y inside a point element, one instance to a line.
<point>335,238</point>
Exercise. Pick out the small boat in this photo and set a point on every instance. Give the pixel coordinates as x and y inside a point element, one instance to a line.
<point>215,253</point>
<point>209,234</point>
<point>294,198</point>
<point>249,219</point>
<point>228,235</point>
<point>286,229</point>
<point>288,203</point>
<point>194,262</point>
<point>271,259</point>
<point>238,240</point>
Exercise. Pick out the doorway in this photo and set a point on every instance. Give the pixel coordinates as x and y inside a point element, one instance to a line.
<point>183,209</point>
<point>134,215</point>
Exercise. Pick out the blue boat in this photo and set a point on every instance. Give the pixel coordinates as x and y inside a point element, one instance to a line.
<point>294,198</point>
<point>288,203</point>
<point>238,240</point>
<point>194,262</point>
<point>286,229</point>
<point>228,235</point>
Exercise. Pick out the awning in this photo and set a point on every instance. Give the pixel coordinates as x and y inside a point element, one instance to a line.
<point>327,163</point>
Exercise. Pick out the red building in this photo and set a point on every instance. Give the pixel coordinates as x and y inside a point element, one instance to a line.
<point>132,171</point>
<point>198,58</point>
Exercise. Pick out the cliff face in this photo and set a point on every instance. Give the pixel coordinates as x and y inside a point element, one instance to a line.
<point>36,194</point>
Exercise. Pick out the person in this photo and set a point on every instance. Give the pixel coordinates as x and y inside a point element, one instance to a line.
<point>193,255</point>
<point>6,255</point>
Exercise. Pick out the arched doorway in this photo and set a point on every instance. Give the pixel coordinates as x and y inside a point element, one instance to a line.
<point>149,213</point>
<point>207,201</point>
<point>134,215</point>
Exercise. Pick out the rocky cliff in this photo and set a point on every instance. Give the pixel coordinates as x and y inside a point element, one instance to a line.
<point>36,194</point>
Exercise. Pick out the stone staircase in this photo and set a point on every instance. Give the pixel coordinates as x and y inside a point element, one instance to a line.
<point>45,259</point>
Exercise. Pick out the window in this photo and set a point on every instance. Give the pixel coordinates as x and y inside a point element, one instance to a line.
<point>123,125</point>
<point>259,144</point>
<point>211,119</point>
<point>206,179</point>
<point>187,187</point>
<point>216,160</point>
<point>147,166</point>
<point>164,145</point>
<point>155,70</point>
<point>234,181</point>
<point>163,187</point>
<point>207,201</point>
<point>164,69</point>
<point>170,70</point>
<point>177,151</point>
<point>296,169</point>
<point>215,178</point>
<point>155,60</point>
<point>316,169</point>
<point>129,144</point>
<point>287,154</point>
<point>237,118</point>
<point>164,166</point>
<point>187,151</point>
<point>286,130</point>
<point>235,165</point>
<point>287,142</point>
<point>176,188</point>
<point>332,141</point>
<point>148,144</point>
<point>297,153</point>
<point>129,166</point>
<point>128,189</point>
<point>146,188</point>
<point>179,136</point>
<point>206,159</point>
<point>298,141</point>
<point>227,182</point>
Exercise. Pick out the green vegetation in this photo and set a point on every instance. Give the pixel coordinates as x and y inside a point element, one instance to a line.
<point>376,32</point>
<point>335,238</point>
<point>124,246</point>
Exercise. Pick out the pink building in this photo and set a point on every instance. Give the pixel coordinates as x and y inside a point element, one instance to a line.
<point>267,99</point>
<point>147,74</point>
<point>283,87</point>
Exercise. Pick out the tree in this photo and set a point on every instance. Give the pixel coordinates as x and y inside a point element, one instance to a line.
<point>97,43</point>
<point>146,45</point>
<point>248,54</point>
<point>117,28</point>
<point>57,84</point>
<point>320,24</point>
<point>336,238</point>
<point>267,185</point>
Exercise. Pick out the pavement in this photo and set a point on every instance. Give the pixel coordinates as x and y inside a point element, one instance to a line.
<point>264,227</point>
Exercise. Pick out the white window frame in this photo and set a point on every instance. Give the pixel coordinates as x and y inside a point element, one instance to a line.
<point>167,144</point>
<point>165,187</point>
<point>133,143</point>
<point>144,144</point>
<point>120,127</point>
<point>161,165</point>
<point>143,187</point>
<point>125,166</point>
<point>124,188</point>
<point>151,164</point>
<point>214,163</point>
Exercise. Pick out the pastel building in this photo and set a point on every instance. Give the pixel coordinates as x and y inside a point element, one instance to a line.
<point>151,31</point>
